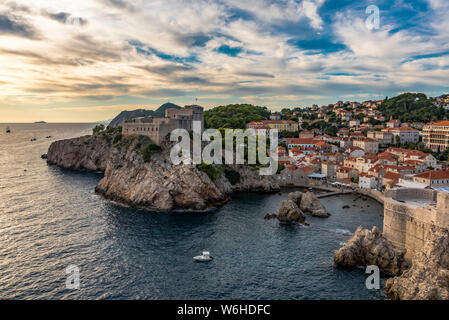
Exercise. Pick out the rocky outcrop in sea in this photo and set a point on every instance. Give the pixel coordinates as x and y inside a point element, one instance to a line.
<point>290,212</point>
<point>309,203</point>
<point>369,247</point>
<point>298,203</point>
<point>138,173</point>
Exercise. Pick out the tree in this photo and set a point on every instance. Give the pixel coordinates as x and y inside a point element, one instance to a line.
<point>412,107</point>
<point>332,131</point>
<point>234,116</point>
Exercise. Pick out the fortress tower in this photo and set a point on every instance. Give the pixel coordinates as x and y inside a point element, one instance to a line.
<point>409,214</point>
<point>158,128</point>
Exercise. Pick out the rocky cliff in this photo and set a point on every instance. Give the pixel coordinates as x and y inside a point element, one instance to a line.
<point>87,152</point>
<point>428,277</point>
<point>138,174</point>
<point>368,247</point>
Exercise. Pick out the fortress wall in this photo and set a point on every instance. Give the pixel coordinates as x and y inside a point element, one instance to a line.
<point>406,226</point>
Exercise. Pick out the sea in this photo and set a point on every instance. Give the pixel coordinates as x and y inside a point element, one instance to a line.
<point>53,227</point>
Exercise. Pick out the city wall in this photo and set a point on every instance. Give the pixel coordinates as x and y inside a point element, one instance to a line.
<point>409,214</point>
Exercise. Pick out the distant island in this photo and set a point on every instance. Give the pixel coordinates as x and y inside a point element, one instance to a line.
<point>40,122</point>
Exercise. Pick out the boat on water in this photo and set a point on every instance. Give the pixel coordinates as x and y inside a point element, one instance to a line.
<point>8,130</point>
<point>204,257</point>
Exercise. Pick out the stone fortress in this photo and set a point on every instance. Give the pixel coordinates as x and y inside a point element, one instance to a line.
<point>158,128</point>
<point>409,214</point>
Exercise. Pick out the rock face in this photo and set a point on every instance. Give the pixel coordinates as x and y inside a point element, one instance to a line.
<point>428,277</point>
<point>154,183</point>
<point>88,153</point>
<point>368,247</point>
<point>290,212</point>
<point>157,185</point>
<point>311,204</point>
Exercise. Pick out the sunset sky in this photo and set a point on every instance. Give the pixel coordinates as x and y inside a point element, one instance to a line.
<point>88,60</point>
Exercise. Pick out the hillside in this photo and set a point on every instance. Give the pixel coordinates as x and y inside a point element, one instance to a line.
<point>412,107</point>
<point>125,115</point>
<point>234,116</point>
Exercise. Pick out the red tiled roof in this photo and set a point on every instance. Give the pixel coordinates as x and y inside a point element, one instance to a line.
<point>392,176</point>
<point>440,124</point>
<point>400,129</point>
<point>300,141</point>
<point>434,175</point>
<point>366,175</point>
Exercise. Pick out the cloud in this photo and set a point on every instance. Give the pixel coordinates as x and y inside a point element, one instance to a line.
<point>275,52</point>
<point>16,26</point>
<point>65,18</point>
<point>119,4</point>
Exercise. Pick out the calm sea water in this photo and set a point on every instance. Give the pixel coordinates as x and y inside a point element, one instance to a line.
<point>51,218</point>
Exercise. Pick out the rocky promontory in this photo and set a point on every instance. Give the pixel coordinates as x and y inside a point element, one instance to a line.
<point>369,247</point>
<point>83,153</point>
<point>425,277</point>
<point>141,174</point>
<point>428,277</point>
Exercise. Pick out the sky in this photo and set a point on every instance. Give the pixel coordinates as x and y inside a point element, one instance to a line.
<point>86,60</point>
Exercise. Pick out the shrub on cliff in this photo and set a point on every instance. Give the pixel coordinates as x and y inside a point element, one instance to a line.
<point>232,175</point>
<point>148,150</point>
<point>98,128</point>
<point>280,168</point>
<point>212,172</point>
<point>117,138</point>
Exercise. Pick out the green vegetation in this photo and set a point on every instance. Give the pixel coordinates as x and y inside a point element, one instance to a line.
<point>213,172</point>
<point>412,107</point>
<point>325,126</point>
<point>331,130</point>
<point>148,150</point>
<point>124,143</point>
<point>288,134</point>
<point>117,138</point>
<point>234,116</point>
<point>280,168</point>
<point>98,128</point>
<point>232,175</point>
<point>141,144</point>
<point>442,156</point>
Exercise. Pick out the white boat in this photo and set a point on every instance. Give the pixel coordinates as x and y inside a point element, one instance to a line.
<point>204,257</point>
